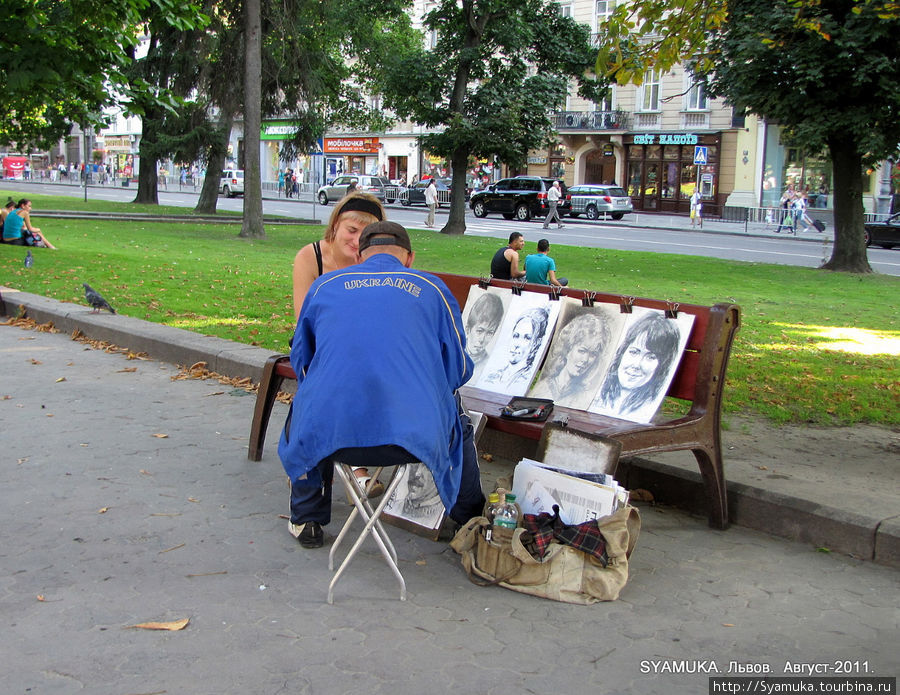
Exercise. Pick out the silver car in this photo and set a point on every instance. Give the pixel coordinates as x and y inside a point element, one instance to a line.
<point>592,200</point>
<point>337,189</point>
<point>232,182</point>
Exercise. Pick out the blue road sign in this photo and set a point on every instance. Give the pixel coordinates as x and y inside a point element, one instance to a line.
<point>699,154</point>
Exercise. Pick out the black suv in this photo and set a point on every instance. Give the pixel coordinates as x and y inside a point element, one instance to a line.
<point>522,198</point>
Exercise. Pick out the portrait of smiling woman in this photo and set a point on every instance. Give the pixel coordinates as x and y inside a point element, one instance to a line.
<point>639,374</point>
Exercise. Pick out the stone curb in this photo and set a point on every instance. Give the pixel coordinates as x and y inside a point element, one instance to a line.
<point>764,510</point>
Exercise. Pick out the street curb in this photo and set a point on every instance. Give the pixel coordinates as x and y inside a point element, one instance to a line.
<point>836,530</point>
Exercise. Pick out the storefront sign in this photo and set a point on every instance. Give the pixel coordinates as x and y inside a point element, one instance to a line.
<point>666,139</point>
<point>608,149</point>
<point>351,145</point>
<point>537,159</point>
<point>277,130</point>
<point>117,142</point>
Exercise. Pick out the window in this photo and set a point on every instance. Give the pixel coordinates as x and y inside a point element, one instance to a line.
<point>603,9</point>
<point>695,96</point>
<point>649,97</point>
<point>565,9</point>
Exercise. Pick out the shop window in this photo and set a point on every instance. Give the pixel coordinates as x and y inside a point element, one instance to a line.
<point>654,151</point>
<point>635,169</point>
<point>671,152</point>
<point>688,180</point>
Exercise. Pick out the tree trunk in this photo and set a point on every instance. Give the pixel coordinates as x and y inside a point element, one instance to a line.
<point>253,216</point>
<point>456,222</point>
<point>849,252</point>
<point>215,163</point>
<point>148,176</point>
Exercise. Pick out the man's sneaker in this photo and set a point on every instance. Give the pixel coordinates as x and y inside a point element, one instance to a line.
<point>308,534</point>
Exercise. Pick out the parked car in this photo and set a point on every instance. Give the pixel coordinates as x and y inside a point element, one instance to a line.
<point>885,234</point>
<point>415,194</point>
<point>337,189</point>
<point>521,197</point>
<point>592,200</point>
<point>232,182</point>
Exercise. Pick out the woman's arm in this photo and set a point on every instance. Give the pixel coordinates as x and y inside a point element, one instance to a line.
<point>26,218</point>
<point>304,274</point>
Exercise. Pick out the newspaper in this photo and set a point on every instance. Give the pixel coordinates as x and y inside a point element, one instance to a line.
<point>580,496</point>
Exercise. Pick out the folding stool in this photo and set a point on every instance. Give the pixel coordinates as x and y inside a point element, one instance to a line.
<point>371,518</point>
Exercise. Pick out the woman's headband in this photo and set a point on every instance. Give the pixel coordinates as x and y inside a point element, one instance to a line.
<point>363,205</point>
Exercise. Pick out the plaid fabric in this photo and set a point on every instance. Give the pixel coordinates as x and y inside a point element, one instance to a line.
<point>545,528</point>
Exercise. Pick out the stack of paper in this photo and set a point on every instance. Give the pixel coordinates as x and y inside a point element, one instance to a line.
<point>580,496</point>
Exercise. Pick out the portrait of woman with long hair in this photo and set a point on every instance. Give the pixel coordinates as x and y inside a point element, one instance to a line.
<point>641,369</point>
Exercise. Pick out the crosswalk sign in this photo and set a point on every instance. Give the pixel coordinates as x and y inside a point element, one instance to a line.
<point>699,154</point>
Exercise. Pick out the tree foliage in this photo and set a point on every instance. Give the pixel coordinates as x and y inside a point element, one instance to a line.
<point>62,61</point>
<point>827,71</point>
<point>487,89</point>
<point>829,74</point>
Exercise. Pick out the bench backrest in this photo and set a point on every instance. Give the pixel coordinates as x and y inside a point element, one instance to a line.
<point>702,368</point>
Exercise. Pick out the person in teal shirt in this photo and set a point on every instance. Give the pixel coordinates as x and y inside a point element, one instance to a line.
<point>540,269</point>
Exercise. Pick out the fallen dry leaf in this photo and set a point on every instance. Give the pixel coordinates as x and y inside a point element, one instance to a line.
<point>128,369</point>
<point>34,361</point>
<point>103,510</point>
<point>40,597</point>
<point>640,495</point>
<point>727,624</point>
<point>62,378</point>
<point>421,562</point>
<point>160,435</point>
<point>487,457</point>
<point>763,468</point>
<point>143,472</point>
<point>193,499</point>
<point>171,625</point>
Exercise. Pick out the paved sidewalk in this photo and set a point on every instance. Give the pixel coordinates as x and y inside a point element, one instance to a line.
<point>127,497</point>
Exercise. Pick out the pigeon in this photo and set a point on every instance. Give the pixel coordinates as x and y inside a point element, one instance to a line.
<point>29,259</point>
<point>96,301</point>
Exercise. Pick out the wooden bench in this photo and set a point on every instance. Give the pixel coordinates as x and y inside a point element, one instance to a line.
<point>699,381</point>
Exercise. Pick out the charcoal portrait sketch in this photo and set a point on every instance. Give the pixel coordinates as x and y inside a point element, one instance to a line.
<point>580,350</point>
<point>521,344</point>
<point>643,365</point>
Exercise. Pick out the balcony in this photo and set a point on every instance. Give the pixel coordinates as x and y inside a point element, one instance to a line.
<point>591,121</point>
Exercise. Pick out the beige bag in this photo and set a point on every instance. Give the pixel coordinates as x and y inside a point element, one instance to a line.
<point>564,574</point>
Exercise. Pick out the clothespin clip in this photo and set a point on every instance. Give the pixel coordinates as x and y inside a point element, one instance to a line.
<point>484,282</point>
<point>554,293</point>
<point>672,310</point>
<point>625,306</point>
<point>588,299</point>
<point>517,287</point>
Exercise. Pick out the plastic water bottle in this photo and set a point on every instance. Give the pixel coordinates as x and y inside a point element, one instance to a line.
<point>508,516</point>
<point>493,507</point>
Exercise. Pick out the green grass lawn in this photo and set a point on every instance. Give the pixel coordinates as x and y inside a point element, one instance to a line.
<point>814,346</point>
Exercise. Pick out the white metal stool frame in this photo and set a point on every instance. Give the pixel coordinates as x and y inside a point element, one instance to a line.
<point>373,525</point>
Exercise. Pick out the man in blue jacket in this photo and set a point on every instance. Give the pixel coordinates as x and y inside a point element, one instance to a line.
<point>379,352</point>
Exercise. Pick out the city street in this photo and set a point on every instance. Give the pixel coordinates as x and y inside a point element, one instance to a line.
<point>637,232</point>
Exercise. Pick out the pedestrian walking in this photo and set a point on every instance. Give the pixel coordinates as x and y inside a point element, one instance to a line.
<point>553,197</point>
<point>787,198</point>
<point>431,200</point>
<point>696,208</point>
